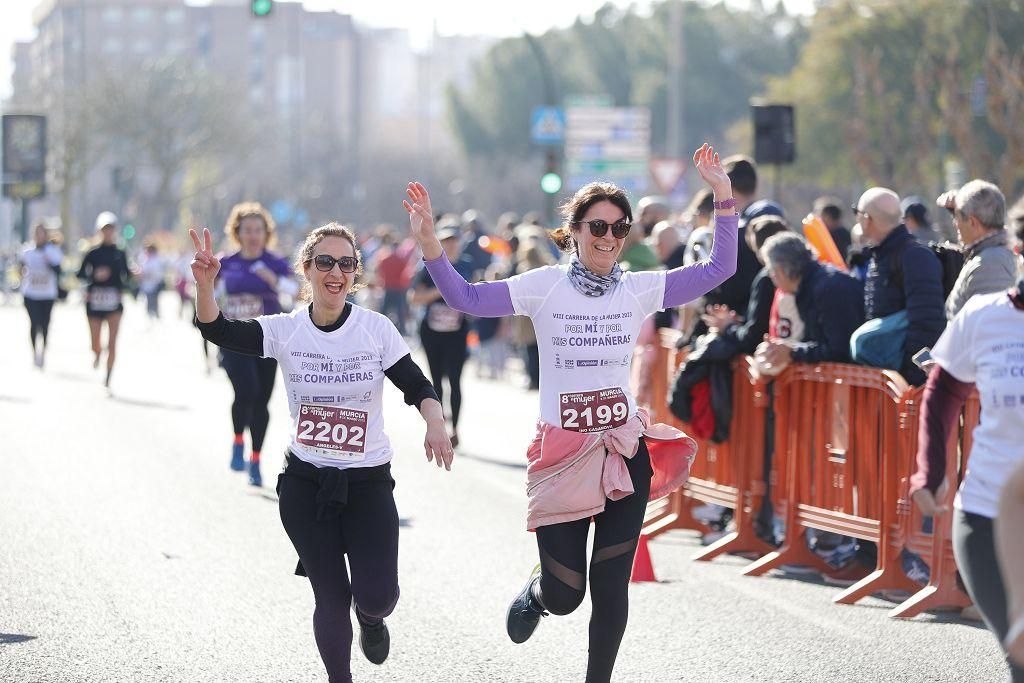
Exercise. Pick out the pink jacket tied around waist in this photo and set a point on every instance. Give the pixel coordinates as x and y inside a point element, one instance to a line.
<point>570,475</point>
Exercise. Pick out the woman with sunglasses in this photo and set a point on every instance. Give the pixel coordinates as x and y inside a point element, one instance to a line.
<point>335,494</point>
<point>587,314</point>
<point>249,285</point>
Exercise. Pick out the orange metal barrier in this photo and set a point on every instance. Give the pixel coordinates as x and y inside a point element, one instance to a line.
<point>728,474</point>
<point>837,430</point>
<point>936,548</point>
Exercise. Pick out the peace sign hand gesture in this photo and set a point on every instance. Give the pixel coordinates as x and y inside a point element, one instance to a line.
<point>710,168</point>
<point>205,265</point>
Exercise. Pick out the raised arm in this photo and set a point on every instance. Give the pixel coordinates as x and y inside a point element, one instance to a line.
<point>205,267</point>
<point>483,299</point>
<point>689,282</point>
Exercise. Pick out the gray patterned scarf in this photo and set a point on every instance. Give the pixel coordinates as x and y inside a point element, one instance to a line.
<point>589,283</point>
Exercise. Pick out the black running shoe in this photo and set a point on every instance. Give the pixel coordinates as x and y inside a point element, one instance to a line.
<point>374,641</point>
<point>525,612</point>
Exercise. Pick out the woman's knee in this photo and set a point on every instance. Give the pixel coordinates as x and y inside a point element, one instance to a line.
<point>377,602</point>
<point>560,599</point>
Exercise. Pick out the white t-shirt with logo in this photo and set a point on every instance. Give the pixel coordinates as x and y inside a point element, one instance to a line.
<point>984,344</point>
<point>40,281</point>
<point>335,383</point>
<point>586,343</point>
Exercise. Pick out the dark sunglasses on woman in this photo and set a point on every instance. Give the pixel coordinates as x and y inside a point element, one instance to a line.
<point>599,228</point>
<point>325,263</point>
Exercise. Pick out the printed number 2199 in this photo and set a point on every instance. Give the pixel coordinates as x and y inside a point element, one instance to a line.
<point>593,411</point>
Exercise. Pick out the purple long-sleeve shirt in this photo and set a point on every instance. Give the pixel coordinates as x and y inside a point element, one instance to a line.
<point>493,299</point>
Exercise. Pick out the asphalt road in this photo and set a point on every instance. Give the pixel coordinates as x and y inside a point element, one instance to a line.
<point>130,552</point>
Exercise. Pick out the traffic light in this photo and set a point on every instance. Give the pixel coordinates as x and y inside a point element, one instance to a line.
<point>261,8</point>
<point>128,231</point>
<point>551,181</point>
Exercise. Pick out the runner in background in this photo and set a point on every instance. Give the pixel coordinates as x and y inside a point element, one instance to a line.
<point>106,274</point>
<point>249,284</point>
<point>152,270</point>
<point>40,271</point>
<point>443,330</point>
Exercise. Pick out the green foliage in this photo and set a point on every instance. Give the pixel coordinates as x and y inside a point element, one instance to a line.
<point>728,54</point>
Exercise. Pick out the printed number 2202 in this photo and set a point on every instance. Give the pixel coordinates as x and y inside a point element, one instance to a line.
<point>338,435</point>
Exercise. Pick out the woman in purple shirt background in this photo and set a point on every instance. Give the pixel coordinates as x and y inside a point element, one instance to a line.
<point>587,314</point>
<point>248,286</point>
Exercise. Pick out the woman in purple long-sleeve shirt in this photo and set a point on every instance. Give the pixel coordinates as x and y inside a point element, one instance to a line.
<point>587,314</point>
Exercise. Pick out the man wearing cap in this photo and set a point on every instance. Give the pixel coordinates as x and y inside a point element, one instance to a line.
<point>915,217</point>
<point>106,274</point>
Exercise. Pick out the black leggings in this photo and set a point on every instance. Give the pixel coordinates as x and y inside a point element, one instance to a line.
<point>365,529</point>
<point>39,318</point>
<point>974,546</point>
<point>446,354</point>
<point>563,560</point>
<point>253,381</point>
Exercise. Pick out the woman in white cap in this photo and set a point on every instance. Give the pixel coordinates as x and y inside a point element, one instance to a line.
<point>105,272</point>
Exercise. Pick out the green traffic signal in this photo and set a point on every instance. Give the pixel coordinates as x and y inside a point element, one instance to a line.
<point>551,183</point>
<point>261,8</point>
<point>128,231</point>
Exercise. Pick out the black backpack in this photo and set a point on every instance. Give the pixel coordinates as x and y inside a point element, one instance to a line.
<point>951,258</point>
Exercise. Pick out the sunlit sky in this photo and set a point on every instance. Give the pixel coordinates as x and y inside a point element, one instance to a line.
<point>451,17</point>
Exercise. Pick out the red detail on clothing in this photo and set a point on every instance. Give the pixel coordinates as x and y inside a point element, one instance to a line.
<point>943,399</point>
<point>393,270</point>
<point>255,457</point>
<point>703,416</point>
<point>773,316</point>
<point>239,439</point>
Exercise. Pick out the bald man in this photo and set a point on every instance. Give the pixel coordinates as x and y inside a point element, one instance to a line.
<point>903,275</point>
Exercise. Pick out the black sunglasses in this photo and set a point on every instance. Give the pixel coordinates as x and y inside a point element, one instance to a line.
<point>325,263</point>
<point>599,228</point>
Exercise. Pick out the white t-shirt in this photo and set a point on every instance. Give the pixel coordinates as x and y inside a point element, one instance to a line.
<point>586,343</point>
<point>40,281</point>
<point>984,344</point>
<point>335,383</point>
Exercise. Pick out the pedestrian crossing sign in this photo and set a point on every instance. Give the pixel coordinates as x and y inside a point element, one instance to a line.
<point>547,125</point>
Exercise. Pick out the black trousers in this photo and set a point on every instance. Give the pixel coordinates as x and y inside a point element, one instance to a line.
<point>446,356</point>
<point>329,513</point>
<point>563,560</point>
<point>974,546</point>
<point>39,311</point>
<point>253,381</point>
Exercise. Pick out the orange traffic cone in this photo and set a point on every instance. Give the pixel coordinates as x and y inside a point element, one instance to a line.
<point>643,570</point>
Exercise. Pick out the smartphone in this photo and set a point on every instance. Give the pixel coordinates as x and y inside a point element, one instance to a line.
<point>923,359</point>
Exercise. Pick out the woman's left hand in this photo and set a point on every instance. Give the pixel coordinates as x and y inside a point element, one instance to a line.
<point>437,445</point>
<point>710,168</point>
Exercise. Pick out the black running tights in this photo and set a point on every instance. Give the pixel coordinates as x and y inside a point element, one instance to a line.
<point>446,355</point>
<point>253,381</point>
<point>39,318</point>
<point>563,560</point>
<point>366,530</point>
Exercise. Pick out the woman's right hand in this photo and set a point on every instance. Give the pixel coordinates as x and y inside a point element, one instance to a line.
<point>421,220</point>
<point>205,265</point>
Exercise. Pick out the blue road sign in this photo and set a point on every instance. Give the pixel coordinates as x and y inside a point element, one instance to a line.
<point>547,125</point>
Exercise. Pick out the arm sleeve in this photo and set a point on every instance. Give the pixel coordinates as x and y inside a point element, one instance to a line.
<point>409,379</point>
<point>689,282</point>
<point>242,336</point>
<point>926,315</point>
<point>483,299</point>
<point>944,398</point>
<point>83,271</point>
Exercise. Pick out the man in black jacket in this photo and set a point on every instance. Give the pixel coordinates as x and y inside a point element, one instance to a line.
<point>903,275</point>
<point>831,303</point>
